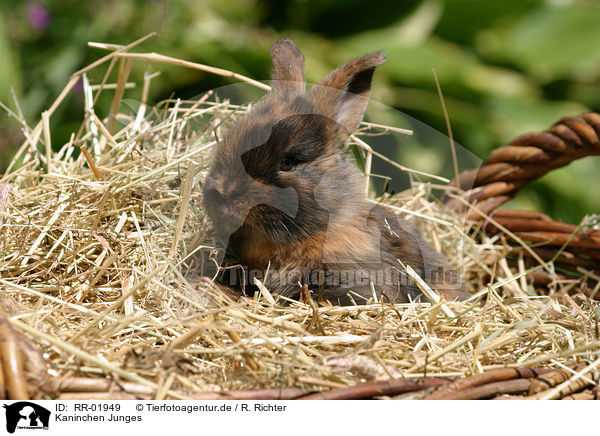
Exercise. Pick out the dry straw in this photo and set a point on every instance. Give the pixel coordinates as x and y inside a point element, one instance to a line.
<point>97,238</point>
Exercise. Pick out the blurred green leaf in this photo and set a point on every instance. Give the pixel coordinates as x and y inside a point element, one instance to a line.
<point>8,68</point>
<point>553,42</point>
<point>514,116</point>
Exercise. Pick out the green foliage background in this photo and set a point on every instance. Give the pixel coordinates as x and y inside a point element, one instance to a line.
<point>506,67</point>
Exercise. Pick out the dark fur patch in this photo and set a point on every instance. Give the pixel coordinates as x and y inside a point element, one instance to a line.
<point>361,81</point>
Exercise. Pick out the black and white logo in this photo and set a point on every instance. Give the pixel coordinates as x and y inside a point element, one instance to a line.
<point>26,415</point>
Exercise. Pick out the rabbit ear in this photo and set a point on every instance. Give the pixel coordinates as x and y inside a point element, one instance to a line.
<point>343,94</point>
<point>288,66</point>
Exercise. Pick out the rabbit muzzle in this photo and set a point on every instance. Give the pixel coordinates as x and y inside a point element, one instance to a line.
<point>258,205</point>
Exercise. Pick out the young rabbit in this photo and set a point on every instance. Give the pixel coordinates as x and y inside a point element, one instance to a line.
<point>285,195</point>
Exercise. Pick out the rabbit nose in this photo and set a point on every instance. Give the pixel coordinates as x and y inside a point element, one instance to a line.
<point>223,191</point>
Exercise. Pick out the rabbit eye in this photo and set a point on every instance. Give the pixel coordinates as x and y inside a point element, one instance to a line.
<point>287,164</point>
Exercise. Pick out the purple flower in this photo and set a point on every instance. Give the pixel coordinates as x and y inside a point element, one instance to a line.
<point>38,15</point>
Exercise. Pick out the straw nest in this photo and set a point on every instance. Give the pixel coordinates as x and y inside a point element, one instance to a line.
<point>97,241</point>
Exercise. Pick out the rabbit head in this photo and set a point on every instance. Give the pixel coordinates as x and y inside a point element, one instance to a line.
<point>282,170</point>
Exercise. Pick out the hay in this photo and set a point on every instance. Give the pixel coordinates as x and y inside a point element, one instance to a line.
<point>94,247</point>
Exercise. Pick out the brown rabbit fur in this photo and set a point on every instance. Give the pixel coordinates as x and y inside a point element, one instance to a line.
<point>284,191</point>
